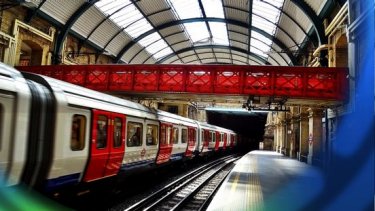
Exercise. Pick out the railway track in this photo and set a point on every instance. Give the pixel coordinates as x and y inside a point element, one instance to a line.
<point>190,192</point>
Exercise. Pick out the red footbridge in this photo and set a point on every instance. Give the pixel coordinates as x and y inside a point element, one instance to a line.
<point>293,82</point>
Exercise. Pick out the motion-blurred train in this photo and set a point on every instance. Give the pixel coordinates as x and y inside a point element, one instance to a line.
<point>55,134</point>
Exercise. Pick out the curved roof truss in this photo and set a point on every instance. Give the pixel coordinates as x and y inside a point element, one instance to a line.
<point>191,20</point>
<point>153,30</point>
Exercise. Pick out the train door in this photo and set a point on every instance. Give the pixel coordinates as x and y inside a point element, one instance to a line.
<point>191,139</point>
<point>178,148</point>
<point>217,140</point>
<point>107,145</point>
<point>224,139</point>
<point>231,140</point>
<point>166,145</point>
<point>6,123</point>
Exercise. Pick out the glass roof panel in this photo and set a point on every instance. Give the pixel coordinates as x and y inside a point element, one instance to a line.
<point>197,31</point>
<point>260,45</point>
<point>163,53</point>
<point>154,43</point>
<point>261,37</point>
<point>125,15</point>
<point>213,8</point>
<point>219,33</point>
<point>257,51</point>
<point>128,17</point>
<point>186,9</point>
<point>263,10</point>
<point>263,25</point>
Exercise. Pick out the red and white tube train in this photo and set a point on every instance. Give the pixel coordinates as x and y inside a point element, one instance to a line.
<point>55,134</point>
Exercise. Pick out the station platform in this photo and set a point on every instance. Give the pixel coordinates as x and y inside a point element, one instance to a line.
<point>266,180</point>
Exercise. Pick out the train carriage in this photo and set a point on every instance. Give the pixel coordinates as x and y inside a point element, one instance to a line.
<point>58,134</point>
<point>15,99</point>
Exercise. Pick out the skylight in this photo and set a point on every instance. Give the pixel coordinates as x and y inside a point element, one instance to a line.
<point>129,18</point>
<point>198,31</point>
<point>213,8</point>
<point>219,31</point>
<point>265,17</point>
<point>153,43</point>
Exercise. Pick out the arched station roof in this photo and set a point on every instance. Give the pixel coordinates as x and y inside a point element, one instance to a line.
<point>256,32</point>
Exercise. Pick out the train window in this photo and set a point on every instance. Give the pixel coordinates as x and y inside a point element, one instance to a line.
<point>117,132</point>
<point>168,136</point>
<point>152,135</point>
<point>101,132</point>
<point>175,135</point>
<point>221,137</point>
<point>184,135</point>
<point>77,136</point>
<point>134,135</point>
<point>209,136</point>
<point>213,136</point>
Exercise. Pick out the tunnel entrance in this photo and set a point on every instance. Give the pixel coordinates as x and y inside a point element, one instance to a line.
<point>249,125</point>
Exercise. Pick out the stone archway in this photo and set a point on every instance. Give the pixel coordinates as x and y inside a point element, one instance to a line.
<point>31,53</point>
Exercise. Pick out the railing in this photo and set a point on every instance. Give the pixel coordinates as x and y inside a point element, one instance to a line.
<point>293,82</point>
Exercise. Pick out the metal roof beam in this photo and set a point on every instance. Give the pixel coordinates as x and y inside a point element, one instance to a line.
<point>122,28</point>
<point>250,12</point>
<point>315,20</point>
<point>279,53</point>
<point>212,46</point>
<point>221,20</point>
<point>290,17</point>
<point>32,13</point>
<point>277,26</point>
<point>65,30</point>
<point>222,58</point>
<point>147,18</point>
<point>226,25</point>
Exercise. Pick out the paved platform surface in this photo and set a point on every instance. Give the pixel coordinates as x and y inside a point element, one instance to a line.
<point>264,180</point>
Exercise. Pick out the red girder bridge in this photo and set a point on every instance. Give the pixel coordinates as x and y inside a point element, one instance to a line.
<point>312,83</point>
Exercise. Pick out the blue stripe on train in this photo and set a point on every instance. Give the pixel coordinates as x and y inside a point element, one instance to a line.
<point>62,181</point>
<point>176,157</point>
<point>137,164</point>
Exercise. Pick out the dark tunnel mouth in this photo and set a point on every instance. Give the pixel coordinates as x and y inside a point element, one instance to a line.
<point>249,126</point>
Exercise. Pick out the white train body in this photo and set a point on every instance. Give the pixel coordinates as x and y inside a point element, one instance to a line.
<point>55,134</point>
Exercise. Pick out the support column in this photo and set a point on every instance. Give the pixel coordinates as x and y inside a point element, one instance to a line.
<point>315,137</point>
<point>304,137</point>
<point>288,137</point>
<point>294,137</point>
<point>279,129</point>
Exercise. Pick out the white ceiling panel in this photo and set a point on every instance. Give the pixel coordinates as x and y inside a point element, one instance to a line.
<point>190,58</point>
<point>182,45</point>
<point>176,38</point>
<point>227,61</point>
<point>54,9</point>
<point>316,5</point>
<point>206,55</point>
<point>205,61</point>
<point>187,53</point>
<point>237,15</point>
<point>104,33</point>
<point>222,55</point>
<point>204,50</point>
<point>161,18</point>
<point>237,3</point>
<point>130,53</point>
<point>118,43</point>
<point>171,30</point>
<point>149,7</point>
<point>88,21</point>
<point>235,28</point>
